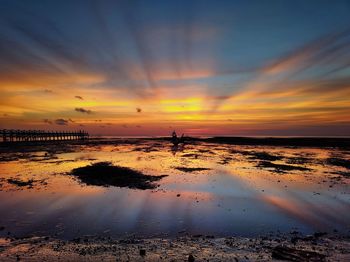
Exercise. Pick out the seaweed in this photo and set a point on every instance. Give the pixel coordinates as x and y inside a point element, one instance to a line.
<point>298,160</point>
<point>257,155</point>
<point>105,174</point>
<point>21,183</point>
<point>191,169</point>
<point>281,167</point>
<point>334,161</point>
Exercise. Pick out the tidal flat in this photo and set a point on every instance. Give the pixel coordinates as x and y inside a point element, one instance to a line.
<point>245,200</point>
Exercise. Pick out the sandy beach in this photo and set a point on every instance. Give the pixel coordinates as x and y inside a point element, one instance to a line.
<point>290,247</point>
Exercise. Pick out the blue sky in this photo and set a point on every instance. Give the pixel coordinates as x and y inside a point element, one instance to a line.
<point>229,55</point>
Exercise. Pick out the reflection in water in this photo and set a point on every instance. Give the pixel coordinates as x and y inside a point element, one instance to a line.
<point>233,197</point>
<point>312,214</point>
<point>177,148</point>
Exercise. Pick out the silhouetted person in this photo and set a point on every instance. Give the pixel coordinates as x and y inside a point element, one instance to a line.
<point>175,140</point>
<point>174,135</point>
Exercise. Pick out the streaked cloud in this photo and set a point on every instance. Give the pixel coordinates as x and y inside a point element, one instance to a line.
<point>61,122</point>
<point>82,110</point>
<point>47,121</point>
<point>194,66</point>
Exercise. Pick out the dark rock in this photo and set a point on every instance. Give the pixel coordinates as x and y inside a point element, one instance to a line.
<point>294,240</point>
<point>76,240</point>
<point>292,254</point>
<point>142,252</point>
<point>308,238</point>
<point>319,234</point>
<point>190,258</point>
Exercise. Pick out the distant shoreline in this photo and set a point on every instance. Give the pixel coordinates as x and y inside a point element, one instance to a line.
<point>320,142</point>
<point>214,136</point>
<point>317,142</point>
<point>280,141</point>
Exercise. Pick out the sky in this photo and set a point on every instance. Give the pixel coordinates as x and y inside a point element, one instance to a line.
<point>145,68</point>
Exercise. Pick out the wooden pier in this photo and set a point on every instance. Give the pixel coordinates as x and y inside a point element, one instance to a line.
<point>11,135</point>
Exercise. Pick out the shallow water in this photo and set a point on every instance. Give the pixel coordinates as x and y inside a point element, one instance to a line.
<point>236,196</point>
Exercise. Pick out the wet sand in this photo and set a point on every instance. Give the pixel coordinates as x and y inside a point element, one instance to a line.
<point>210,199</point>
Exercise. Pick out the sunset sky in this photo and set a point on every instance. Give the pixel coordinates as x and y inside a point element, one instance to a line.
<point>200,67</point>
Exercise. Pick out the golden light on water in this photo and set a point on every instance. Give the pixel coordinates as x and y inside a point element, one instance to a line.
<point>232,187</point>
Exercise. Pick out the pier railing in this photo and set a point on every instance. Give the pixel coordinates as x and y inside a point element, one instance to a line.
<point>12,135</point>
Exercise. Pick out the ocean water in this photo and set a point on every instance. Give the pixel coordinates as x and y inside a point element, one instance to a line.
<point>241,191</point>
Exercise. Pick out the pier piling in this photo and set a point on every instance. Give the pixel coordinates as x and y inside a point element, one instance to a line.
<point>12,135</point>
